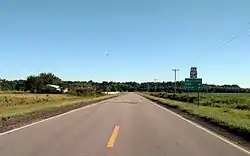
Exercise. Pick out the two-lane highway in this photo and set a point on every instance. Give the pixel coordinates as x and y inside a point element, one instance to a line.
<point>127,125</point>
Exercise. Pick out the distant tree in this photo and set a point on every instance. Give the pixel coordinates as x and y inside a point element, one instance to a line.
<point>31,83</point>
<point>38,83</point>
<point>19,85</point>
<point>49,78</point>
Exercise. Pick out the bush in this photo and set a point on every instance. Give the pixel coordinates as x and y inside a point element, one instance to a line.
<point>82,91</point>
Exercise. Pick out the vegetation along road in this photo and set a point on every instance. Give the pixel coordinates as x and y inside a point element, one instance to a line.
<point>20,108</point>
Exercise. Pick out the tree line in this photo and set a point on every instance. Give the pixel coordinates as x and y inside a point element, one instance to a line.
<point>38,83</point>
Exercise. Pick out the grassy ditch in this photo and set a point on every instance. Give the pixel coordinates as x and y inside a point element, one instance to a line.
<point>20,104</point>
<point>220,100</point>
<point>18,109</point>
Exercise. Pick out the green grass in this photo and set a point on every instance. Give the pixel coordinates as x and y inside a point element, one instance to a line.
<point>23,103</point>
<point>235,101</point>
<point>232,119</point>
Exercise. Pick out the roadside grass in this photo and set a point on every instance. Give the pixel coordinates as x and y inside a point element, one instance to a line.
<point>234,120</point>
<point>228,100</point>
<point>24,103</point>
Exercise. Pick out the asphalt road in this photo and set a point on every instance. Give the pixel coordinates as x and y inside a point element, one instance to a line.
<point>128,125</point>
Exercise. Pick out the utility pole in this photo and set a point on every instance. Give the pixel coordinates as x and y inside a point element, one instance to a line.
<point>155,83</point>
<point>148,90</point>
<point>0,84</point>
<point>175,70</point>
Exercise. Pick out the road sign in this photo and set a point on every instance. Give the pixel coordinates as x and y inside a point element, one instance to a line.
<point>193,84</point>
<point>193,73</point>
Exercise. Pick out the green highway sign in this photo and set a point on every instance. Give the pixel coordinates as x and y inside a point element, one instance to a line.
<point>193,84</point>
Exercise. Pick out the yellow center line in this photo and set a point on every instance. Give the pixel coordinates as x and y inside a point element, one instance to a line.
<point>113,137</point>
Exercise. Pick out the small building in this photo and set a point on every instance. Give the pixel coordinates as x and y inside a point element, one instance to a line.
<point>65,90</point>
<point>111,92</point>
<point>58,88</point>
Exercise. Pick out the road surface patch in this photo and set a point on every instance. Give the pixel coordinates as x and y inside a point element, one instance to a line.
<point>113,137</point>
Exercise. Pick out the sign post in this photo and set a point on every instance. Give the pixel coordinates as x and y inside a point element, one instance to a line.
<point>194,85</point>
<point>198,97</point>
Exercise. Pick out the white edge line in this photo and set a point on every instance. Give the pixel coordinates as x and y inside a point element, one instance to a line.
<point>204,129</point>
<point>53,117</point>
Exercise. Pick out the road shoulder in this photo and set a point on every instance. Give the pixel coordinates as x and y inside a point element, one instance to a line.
<point>206,124</point>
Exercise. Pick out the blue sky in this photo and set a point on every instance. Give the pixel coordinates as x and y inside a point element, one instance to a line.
<point>144,39</point>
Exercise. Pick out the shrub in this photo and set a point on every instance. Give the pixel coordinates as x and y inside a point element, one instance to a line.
<point>83,91</point>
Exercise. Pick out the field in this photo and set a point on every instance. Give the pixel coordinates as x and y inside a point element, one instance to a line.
<point>13,104</point>
<point>230,111</point>
<point>220,100</point>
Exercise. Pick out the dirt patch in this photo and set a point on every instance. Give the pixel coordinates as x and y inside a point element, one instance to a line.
<point>7,124</point>
<point>236,136</point>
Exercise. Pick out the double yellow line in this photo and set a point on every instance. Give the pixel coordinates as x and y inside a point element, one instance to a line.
<point>113,137</point>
